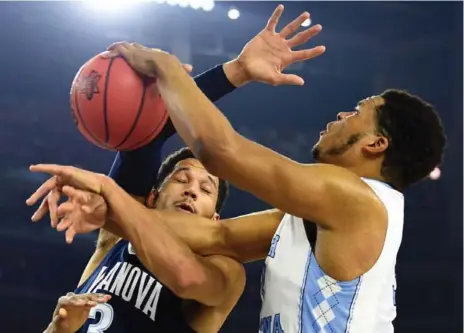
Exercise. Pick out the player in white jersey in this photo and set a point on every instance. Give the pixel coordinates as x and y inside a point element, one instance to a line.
<point>331,263</point>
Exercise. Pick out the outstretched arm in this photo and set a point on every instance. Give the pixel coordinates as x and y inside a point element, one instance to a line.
<point>325,194</point>
<point>245,238</point>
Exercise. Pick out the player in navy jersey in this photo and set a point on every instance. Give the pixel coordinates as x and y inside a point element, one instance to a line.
<point>148,293</point>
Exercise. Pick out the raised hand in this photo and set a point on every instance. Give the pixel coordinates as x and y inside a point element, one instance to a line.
<point>72,311</point>
<point>265,56</point>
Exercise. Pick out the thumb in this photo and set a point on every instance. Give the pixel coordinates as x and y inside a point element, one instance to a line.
<point>290,79</point>
<point>59,321</point>
<point>62,313</point>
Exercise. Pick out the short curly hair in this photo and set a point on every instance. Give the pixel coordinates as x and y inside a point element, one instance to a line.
<point>182,154</point>
<point>416,137</point>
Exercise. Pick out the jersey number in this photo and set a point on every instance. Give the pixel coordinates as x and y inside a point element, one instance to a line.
<point>106,318</point>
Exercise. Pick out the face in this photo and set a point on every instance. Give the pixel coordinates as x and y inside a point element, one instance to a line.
<point>189,189</point>
<point>353,136</point>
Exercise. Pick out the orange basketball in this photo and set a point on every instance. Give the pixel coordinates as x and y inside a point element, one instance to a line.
<point>114,107</point>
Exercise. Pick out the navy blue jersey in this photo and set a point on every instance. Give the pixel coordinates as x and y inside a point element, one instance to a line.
<point>139,303</point>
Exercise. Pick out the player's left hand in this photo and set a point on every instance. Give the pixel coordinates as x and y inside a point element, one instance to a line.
<point>265,56</point>
<point>72,311</point>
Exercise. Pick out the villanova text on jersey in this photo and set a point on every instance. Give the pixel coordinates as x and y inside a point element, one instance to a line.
<point>130,283</point>
<point>140,303</point>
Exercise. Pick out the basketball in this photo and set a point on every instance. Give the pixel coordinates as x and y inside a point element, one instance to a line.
<point>114,107</point>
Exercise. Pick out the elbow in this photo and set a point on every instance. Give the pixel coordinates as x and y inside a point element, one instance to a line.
<point>188,280</point>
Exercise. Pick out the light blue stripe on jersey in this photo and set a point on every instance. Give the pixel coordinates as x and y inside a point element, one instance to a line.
<point>325,304</point>
<point>302,292</point>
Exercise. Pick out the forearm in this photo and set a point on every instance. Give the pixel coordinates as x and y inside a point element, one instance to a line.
<point>202,236</point>
<point>136,171</point>
<point>157,246</point>
<point>199,123</point>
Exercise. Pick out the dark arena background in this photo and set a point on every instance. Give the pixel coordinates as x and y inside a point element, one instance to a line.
<point>371,46</point>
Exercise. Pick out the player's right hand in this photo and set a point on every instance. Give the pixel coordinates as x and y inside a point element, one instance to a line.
<point>72,311</point>
<point>148,61</point>
<point>84,211</point>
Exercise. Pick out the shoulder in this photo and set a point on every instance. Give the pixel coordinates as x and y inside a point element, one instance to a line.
<point>346,199</point>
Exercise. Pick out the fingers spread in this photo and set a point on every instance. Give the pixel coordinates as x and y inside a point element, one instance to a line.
<point>41,211</point>
<point>42,191</point>
<point>53,199</point>
<point>274,19</point>
<point>70,233</point>
<point>302,37</point>
<point>64,224</point>
<point>307,54</point>
<point>293,26</point>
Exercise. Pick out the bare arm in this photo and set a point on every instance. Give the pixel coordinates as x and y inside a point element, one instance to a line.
<point>324,194</point>
<point>206,319</point>
<point>164,254</point>
<point>245,238</point>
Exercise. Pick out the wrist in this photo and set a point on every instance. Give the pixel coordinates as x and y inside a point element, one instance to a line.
<point>235,73</point>
<point>107,185</point>
<point>171,70</point>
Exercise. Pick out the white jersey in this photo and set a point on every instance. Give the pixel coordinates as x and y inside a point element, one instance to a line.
<point>298,297</point>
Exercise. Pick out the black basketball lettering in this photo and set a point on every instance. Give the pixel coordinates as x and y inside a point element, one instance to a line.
<point>80,119</point>
<point>88,85</point>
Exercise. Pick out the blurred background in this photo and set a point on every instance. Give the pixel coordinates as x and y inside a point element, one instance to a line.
<point>371,46</point>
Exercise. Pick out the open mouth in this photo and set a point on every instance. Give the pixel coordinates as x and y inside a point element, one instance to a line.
<point>186,208</point>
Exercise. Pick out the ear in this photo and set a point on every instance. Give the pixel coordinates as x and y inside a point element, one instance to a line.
<point>378,144</point>
<point>215,217</point>
<point>151,199</point>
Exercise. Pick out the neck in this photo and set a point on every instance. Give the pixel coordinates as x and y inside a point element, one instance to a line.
<point>370,171</point>
<point>369,168</point>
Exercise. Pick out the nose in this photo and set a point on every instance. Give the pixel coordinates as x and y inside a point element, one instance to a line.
<point>191,193</point>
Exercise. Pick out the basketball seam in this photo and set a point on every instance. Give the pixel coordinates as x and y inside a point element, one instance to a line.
<point>136,120</point>
<point>105,101</point>
<point>162,122</point>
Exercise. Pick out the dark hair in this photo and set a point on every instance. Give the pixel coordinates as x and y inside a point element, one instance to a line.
<point>182,154</point>
<point>415,134</point>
